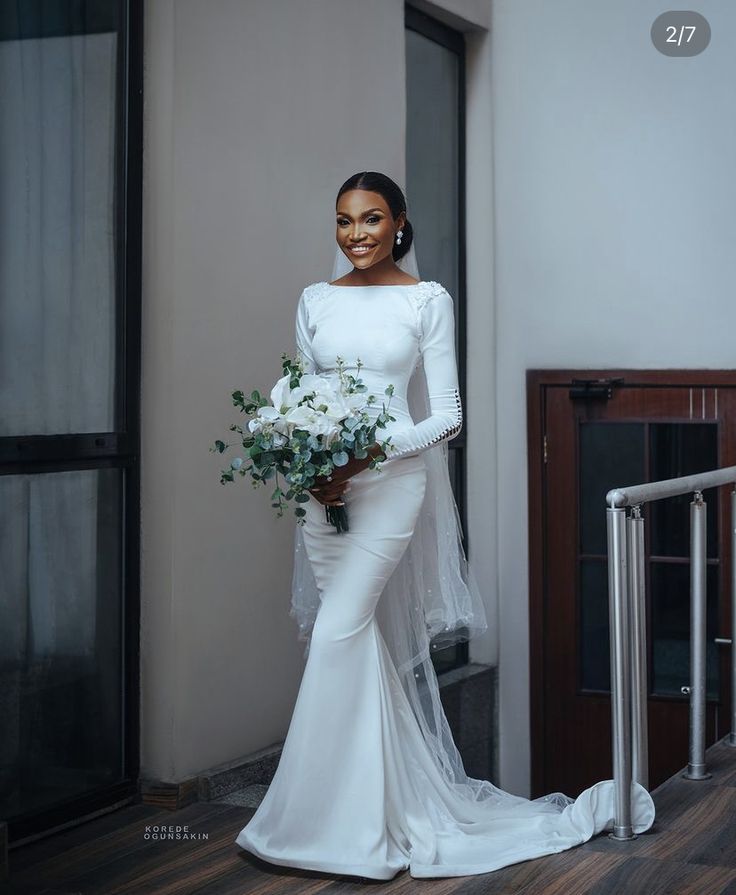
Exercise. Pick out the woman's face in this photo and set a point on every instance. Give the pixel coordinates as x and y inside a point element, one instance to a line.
<point>364,220</point>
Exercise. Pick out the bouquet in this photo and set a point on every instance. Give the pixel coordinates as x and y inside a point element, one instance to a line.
<point>313,423</point>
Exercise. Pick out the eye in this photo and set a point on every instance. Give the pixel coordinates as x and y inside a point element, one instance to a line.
<point>374,218</point>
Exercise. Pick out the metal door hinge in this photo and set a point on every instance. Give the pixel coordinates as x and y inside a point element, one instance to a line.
<point>545,453</point>
<point>594,389</point>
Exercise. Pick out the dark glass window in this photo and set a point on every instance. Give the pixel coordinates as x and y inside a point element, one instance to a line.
<point>70,228</point>
<point>614,454</point>
<point>435,193</point>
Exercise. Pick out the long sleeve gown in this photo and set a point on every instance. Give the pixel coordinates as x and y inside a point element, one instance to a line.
<point>357,791</point>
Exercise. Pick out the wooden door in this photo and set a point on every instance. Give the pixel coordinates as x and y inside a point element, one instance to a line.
<point>583,442</point>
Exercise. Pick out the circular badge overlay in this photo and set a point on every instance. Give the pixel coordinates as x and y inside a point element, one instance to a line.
<point>680,33</point>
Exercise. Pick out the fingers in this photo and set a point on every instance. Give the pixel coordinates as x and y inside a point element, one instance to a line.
<point>330,501</point>
<point>331,494</point>
<point>332,489</point>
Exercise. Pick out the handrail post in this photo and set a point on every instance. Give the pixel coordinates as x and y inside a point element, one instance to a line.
<point>620,684</point>
<point>696,768</point>
<point>638,625</point>
<point>732,736</point>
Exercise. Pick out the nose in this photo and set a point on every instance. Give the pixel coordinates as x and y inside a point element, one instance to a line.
<point>356,235</point>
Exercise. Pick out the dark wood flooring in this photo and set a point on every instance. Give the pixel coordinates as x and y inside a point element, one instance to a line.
<point>690,850</point>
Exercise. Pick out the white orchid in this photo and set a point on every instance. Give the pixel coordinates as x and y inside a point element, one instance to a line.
<point>306,431</point>
<point>280,393</point>
<point>300,416</point>
<point>322,425</point>
<point>270,414</point>
<point>337,408</point>
<point>355,401</point>
<point>316,382</point>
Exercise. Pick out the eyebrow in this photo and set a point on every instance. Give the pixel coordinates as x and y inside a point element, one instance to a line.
<point>343,214</point>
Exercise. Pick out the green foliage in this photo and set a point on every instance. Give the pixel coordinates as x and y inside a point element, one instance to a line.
<point>304,457</point>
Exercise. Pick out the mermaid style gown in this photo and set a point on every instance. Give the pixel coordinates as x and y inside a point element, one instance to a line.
<point>357,791</point>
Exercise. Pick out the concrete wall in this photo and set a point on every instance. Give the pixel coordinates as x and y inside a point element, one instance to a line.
<point>251,125</point>
<point>255,113</point>
<point>614,215</point>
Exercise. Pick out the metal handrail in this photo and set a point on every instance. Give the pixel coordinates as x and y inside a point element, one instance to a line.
<point>627,616</point>
<point>686,484</point>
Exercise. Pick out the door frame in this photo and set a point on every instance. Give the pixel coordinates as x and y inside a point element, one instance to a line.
<point>536,382</point>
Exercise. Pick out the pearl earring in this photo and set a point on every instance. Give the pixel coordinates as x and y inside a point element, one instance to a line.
<point>399,234</point>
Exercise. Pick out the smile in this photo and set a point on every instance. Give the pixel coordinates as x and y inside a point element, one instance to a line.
<point>361,250</point>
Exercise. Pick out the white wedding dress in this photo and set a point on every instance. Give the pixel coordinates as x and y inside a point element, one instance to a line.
<point>357,790</point>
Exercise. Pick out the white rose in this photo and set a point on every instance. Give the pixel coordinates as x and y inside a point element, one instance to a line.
<point>255,426</point>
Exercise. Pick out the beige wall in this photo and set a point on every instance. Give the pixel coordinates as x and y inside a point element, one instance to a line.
<point>255,113</point>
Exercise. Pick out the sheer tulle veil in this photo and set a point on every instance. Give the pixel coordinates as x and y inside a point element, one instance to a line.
<point>431,601</point>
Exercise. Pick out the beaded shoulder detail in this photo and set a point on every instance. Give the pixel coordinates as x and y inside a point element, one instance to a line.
<point>315,291</point>
<point>421,292</point>
<point>425,291</point>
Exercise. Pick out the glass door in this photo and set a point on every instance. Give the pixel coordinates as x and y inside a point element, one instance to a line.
<point>70,191</point>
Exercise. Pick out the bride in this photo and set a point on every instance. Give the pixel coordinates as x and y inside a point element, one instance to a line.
<point>370,782</point>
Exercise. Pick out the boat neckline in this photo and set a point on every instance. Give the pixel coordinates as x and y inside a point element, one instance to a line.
<point>375,285</point>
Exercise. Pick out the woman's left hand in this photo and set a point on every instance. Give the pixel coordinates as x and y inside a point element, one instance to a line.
<point>324,487</point>
<point>332,489</point>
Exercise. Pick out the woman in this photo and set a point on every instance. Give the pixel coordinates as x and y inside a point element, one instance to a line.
<point>370,782</point>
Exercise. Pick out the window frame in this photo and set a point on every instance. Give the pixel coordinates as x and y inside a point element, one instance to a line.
<point>38,454</point>
<point>420,22</point>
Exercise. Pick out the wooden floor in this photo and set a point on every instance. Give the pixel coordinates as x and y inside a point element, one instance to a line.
<point>690,849</point>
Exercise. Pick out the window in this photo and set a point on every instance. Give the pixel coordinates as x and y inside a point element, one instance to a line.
<point>70,256</point>
<point>435,194</point>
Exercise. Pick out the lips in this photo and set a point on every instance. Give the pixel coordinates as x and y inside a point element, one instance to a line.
<point>361,249</point>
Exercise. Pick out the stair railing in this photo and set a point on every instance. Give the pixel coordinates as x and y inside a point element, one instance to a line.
<point>627,616</point>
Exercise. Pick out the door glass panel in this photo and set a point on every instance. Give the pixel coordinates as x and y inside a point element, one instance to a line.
<point>58,119</point>
<point>595,647</point>
<point>670,601</point>
<point>678,449</point>
<point>611,455</point>
<point>61,645</point>
<point>614,454</point>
